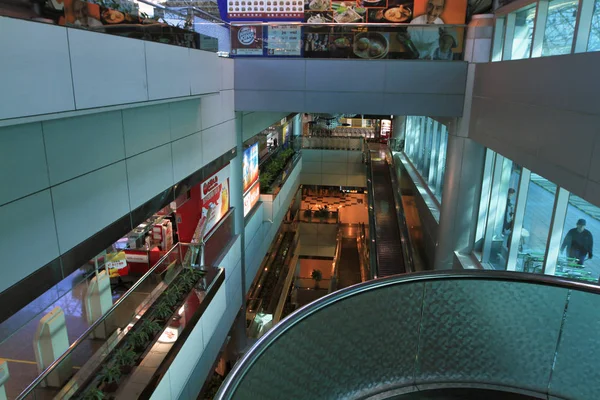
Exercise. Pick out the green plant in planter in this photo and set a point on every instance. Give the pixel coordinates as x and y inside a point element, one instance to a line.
<point>316,275</point>
<point>139,339</point>
<point>125,357</point>
<point>170,297</point>
<point>93,393</point>
<point>110,375</point>
<point>188,278</point>
<point>163,310</point>
<point>150,327</point>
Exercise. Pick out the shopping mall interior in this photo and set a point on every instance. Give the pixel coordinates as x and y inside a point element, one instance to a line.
<point>375,199</point>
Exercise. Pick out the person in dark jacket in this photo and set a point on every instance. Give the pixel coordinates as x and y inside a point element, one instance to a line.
<point>579,242</point>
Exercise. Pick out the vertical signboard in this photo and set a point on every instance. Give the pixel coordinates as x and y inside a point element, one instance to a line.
<point>215,196</point>
<point>251,187</point>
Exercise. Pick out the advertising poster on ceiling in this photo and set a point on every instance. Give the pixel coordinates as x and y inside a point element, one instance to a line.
<point>261,10</point>
<point>215,196</point>
<point>247,40</point>
<point>250,167</point>
<point>251,198</point>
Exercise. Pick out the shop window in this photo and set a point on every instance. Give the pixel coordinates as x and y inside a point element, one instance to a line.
<point>594,40</point>
<point>577,258</point>
<point>523,34</point>
<point>560,27</point>
<point>501,214</point>
<point>536,224</point>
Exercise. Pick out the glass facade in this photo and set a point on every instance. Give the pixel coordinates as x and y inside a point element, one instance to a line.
<point>547,28</point>
<point>426,141</point>
<point>527,223</point>
<point>594,39</point>
<point>523,34</point>
<point>560,27</point>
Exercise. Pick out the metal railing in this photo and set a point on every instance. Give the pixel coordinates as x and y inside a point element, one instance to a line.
<point>491,320</point>
<point>373,256</point>
<point>405,240</point>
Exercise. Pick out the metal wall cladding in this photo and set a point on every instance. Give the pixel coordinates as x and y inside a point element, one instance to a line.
<point>529,338</point>
<point>490,332</point>
<point>342,351</point>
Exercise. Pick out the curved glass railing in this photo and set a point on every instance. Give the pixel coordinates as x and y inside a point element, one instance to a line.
<point>510,332</point>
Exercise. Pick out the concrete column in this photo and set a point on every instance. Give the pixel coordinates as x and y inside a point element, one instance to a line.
<point>460,199</point>
<point>478,43</point>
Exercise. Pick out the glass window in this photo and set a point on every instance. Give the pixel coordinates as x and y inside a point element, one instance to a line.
<point>594,41</point>
<point>576,259</point>
<point>486,188</point>
<point>441,163</point>
<point>560,27</point>
<point>536,224</point>
<point>521,45</point>
<point>501,213</point>
<point>499,38</point>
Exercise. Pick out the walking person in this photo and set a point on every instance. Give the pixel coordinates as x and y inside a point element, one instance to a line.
<point>579,242</point>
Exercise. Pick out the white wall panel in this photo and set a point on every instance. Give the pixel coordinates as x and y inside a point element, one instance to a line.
<point>75,146</point>
<point>168,69</point>
<point>23,45</point>
<point>186,361</point>
<point>310,179</point>
<point>228,104</point>
<point>163,390</point>
<point>107,70</point>
<point>213,313</point>
<point>211,112</point>
<point>31,240</point>
<point>217,140</point>
<point>22,161</point>
<point>149,174</point>
<point>324,76</point>
<point>205,72</point>
<point>146,128</point>
<point>185,118</point>
<point>594,173</point>
<point>85,205</point>
<point>187,156</point>
<point>311,167</point>
<point>226,73</point>
<point>334,180</point>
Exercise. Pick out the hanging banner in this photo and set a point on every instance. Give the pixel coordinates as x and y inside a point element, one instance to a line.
<point>261,10</point>
<point>215,196</point>
<point>250,167</point>
<point>251,198</point>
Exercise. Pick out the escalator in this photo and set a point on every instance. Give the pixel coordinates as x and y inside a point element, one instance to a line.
<point>445,335</point>
<point>389,251</point>
<point>349,264</point>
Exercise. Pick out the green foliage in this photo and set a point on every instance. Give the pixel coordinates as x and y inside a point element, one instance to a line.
<point>170,297</point>
<point>274,168</point>
<point>151,327</point>
<point>317,275</point>
<point>93,393</point>
<point>163,310</point>
<point>139,338</point>
<point>125,356</point>
<point>110,373</point>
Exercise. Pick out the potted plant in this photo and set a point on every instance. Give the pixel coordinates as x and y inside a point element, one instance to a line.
<point>110,375</point>
<point>170,297</point>
<point>93,393</point>
<point>162,310</point>
<point>316,275</point>
<point>125,358</point>
<point>139,340</point>
<point>150,327</point>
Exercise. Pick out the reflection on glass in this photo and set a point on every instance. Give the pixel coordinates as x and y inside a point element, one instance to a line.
<point>486,188</point>
<point>441,163</point>
<point>501,213</point>
<point>576,259</point>
<point>594,41</point>
<point>560,27</point>
<point>536,224</point>
<point>498,39</point>
<point>521,45</point>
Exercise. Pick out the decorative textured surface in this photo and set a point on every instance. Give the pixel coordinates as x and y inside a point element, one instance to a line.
<point>349,349</point>
<point>489,334</point>
<point>576,374</point>
<point>502,333</point>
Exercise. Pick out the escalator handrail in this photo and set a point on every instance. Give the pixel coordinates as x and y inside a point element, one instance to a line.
<point>238,372</point>
<point>373,254</point>
<point>405,240</point>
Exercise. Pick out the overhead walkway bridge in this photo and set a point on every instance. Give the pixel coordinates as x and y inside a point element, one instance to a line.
<point>406,335</point>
